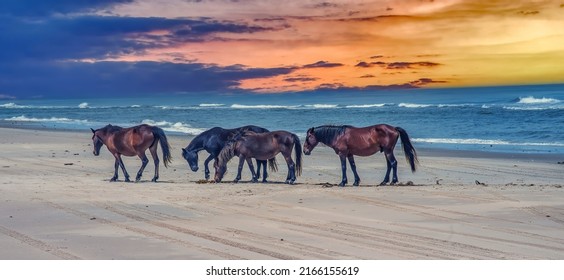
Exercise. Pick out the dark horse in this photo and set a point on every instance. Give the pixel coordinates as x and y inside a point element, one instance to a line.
<point>132,141</point>
<point>213,141</point>
<point>348,141</point>
<point>262,146</point>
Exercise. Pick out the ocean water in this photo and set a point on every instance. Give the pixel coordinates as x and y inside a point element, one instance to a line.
<point>525,119</point>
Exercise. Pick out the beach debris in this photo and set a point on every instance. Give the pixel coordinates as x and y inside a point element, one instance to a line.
<point>326,185</point>
<point>408,183</point>
<point>203,181</point>
<point>69,163</point>
<point>480,183</point>
<point>93,218</point>
<point>76,154</point>
<point>439,181</point>
<point>6,166</point>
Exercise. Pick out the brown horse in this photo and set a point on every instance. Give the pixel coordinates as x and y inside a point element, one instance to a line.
<point>133,141</point>
<point>261,146</point>
<point>348,141</point>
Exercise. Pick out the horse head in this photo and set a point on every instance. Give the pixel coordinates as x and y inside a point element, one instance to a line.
<point>97,142</point>
<point>192,158</point>
<point>310,141</point>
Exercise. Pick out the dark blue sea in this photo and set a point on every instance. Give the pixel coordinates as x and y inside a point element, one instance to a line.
<point>522,119</point>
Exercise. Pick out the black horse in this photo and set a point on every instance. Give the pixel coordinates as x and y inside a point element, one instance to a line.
<point>213,141</point>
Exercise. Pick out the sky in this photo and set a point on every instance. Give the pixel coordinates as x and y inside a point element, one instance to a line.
<point>93,48</point>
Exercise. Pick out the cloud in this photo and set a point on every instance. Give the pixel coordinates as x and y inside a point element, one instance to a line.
<point>36,8</point>
<point>367,76</point>
<point>300,79</point>
<point>322,64</point>
<point>397,65</point>
<point>125,78</point>
<point>408,85</point>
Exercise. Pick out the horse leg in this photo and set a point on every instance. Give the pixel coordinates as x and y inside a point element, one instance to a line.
<point>155,161</point>
<point>239,169</point>
<point>353,167</point>
<point>259,163</point>
<point>206,168</point>
<point>344,180</point>
<point>144,161</point>
<point>125,174</point>
<point>264,172</point>
<point>394,165</point>
<point>252,168</point>
<point>291,168</point>
<point>388,169</point>
<point>116,165</point>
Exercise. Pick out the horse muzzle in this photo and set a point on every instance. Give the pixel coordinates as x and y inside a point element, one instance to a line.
<point>96,153</point>
<point>307,153</point>
<point>194,168</point>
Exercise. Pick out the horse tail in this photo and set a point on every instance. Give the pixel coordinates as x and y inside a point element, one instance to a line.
<point>159,135</point>
<point>298,151</point>
<point>408,149</point>
<point>273,165</point>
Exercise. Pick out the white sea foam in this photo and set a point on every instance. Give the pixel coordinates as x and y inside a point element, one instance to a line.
<point>533,100</point>
<point>413,105</point>
<point>366,105</point>
<point>211,105</point>
<point>12,105</point>
<point>135,106</point>
<point>240,106</point>
<point>322,106</point>
<point>474,141</point>
<point>52,119</point>
<point>175,127</point>
<point>83,105</point>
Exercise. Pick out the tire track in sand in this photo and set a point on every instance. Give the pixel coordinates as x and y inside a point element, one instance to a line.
<point>38,244</point>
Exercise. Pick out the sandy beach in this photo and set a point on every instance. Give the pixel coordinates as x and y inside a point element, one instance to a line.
<point>58,203</point>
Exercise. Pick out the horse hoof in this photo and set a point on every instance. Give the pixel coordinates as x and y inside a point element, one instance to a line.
<point>393,183</point>
<point>235,181</point>
<point>264,181</point>
<point>207,177</point>
<point>356,183</point>
<point>254,181</point>
<point>113,179</point>
<point>383,183</point>
<point>154,180</point>
<point>127,180</point>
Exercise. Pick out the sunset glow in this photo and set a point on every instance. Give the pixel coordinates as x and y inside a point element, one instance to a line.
<point>281,46</point>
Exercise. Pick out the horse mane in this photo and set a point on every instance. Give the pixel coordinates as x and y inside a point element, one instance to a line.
<point>111,128</point>
<point>227,153</point>
<point>327,133</point>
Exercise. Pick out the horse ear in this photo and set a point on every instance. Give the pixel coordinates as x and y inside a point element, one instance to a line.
<point>310,130</point>
<point>183,150</point>
<point>93,131</point>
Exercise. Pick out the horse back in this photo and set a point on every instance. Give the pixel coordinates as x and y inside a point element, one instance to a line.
<point>365,141</point>
<point>133,140</point>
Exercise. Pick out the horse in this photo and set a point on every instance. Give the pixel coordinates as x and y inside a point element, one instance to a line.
<point>348,141</point>
<point>261,146</point>
<point>213,141</point>
<point>132,141</point>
